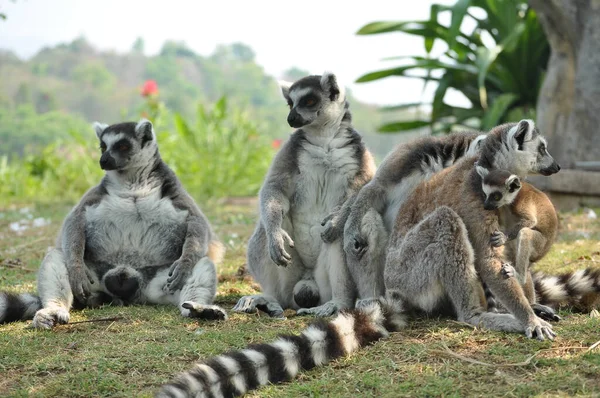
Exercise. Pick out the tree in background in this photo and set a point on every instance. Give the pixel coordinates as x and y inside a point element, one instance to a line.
<point>568,110</point>
<point>499,65</point>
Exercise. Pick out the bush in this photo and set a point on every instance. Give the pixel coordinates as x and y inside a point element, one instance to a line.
<point>222,154</point>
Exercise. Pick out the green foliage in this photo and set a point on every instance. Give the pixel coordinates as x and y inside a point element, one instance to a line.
<point>499,66</point>
<point>219,155</point>
<point>24,130</point>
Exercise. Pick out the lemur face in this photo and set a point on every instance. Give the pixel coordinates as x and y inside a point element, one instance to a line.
<point>500,188</point>
<point>125,145</point>
<point>531,149</point>
<point>313,100</point>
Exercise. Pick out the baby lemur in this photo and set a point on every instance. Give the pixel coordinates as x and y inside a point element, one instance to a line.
<point>440,245</point>
<point>323,163</point>
<point>530,220</point>
<point>137,237</point>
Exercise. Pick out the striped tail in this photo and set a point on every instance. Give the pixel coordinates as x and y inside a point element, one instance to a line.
<point>577,288</point>
<point>18,307</point>
<point>237,372</point>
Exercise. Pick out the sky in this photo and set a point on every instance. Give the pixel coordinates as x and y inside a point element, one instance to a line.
<point>311,35</point>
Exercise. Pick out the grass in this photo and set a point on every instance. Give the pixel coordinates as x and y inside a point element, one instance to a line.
<point>134,355</point>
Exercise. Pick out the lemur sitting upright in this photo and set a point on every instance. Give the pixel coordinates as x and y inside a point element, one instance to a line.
<point>530,220</point>
<point>323,163</point>
<point>137,237</point>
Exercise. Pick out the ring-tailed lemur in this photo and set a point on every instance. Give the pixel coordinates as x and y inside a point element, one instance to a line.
<point>316,170</point>
<point>440,244</point>
<point>235,373</point>
<point>373,212</point>
<point>137,237</point>
<point>367,218</point>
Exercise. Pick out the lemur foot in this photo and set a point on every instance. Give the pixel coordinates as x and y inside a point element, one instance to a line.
<point>46,318</point>
<point>498,239</point>
<point>539,329</point>
<point>508,271</point>
<point>203,311</point>
<point>250,304</point>
<point>545,312</point>
<point>327,309</point>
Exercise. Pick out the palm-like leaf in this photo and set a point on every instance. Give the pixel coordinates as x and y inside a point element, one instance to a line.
<point>499,79</point>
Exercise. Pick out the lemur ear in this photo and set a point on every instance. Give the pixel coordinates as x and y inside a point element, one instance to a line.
<point>330,85</point>
<point>475,145</point>
<point>482,171</point>
<point>99,128</point>
<point>513,183</point>
<point>144,131</point>
<point>285,88</point>
<point>522,132</point>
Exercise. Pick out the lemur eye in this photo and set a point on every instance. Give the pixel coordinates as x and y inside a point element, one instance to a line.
<point>290,104</point>
<point>123,147</point>
<point>310,102</point>
<point>103,147</point>
<point>497,196</point>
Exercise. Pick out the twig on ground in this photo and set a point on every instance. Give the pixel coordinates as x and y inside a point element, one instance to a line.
<point>111,319</point>
<point>449,352</point>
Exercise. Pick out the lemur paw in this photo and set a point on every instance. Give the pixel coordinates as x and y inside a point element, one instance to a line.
<point>328,309</point>
<point>203,311</point>
<point>507,271</point>
<point>539,329</point>
<point>250,304</point>
<point>545,312</point>
<point>498,239</point>
<point>80,280</point>
<point>179,272</point>
<point>332,230</point>
<point>277,248</point>
<point>46,318</point>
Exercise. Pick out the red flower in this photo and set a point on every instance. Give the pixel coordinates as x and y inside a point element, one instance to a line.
<point>276,143</point>
<point>149,88</point>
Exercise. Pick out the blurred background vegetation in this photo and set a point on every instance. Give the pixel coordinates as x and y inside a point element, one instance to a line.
<point>219,118</point>
<point>497,62</point>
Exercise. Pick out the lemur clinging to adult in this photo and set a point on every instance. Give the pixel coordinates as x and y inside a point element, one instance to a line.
<point>323,163</point>
<point>531,224</point>
<point>137,237</point>
<point>440,245</point>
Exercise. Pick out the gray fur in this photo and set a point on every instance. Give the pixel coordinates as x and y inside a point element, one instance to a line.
<point>137,237</point>
<point>315,171</point>
<point>436,254</point>
<point>372,212</point>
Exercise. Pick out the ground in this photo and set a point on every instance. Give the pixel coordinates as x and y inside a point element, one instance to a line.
<point>143,347</point>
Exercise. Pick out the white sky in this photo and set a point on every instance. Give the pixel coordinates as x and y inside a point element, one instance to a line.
<point>311,35</point>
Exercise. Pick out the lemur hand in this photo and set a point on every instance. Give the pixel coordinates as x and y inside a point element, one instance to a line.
<point>508,271</point>
<point>498,239</point>
<point>179,272</point>
<point>332,230</point>
<point>277,249</point>
<point>80,279</point>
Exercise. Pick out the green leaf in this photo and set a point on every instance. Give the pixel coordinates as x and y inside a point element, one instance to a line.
<point>382,27</point>
<point>429,44</point>
<point>402,107</point>
<point>485,57</point>
<point>459,9</point>
<point>493,115</point>
<point>402,126</point>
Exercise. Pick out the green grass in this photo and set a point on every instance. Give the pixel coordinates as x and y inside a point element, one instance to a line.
<point>134,355</point>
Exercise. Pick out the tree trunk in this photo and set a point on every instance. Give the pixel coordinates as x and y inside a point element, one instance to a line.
<point>568,109</point>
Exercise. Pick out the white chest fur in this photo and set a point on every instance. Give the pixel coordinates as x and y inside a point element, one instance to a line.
<point>135,222</point>
<point>324,175</point>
